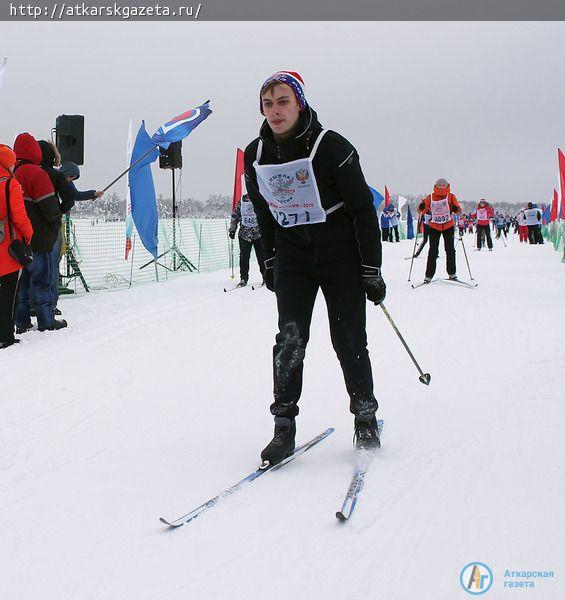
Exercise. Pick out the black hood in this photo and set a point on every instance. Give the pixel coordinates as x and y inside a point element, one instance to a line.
<point>299,142</point>
<point>48,157</point>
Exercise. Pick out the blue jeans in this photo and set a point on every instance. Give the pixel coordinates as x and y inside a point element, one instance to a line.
<point>37,275</point>
<point>55,255</point>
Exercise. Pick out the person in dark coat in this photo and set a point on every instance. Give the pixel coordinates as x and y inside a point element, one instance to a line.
<point>319,230</point>
<point>65,195</point>
<point>249,237</point>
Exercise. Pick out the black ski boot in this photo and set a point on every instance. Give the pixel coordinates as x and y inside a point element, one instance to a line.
<point>55,326</point>
<point>366,434</point>
<point>282,444</point>
<point>24,327</point>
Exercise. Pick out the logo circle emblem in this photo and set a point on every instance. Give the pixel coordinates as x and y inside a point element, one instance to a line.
<point>476,578</point>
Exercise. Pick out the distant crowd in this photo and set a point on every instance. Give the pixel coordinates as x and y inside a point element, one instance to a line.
<point>526,223</point>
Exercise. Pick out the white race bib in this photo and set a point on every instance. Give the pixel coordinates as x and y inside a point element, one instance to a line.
<point>291,190</point>
<point>440,211</point>
<point>482,214</point>
<point>248,216</point>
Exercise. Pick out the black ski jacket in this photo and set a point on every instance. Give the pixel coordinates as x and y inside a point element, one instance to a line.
<point>352,230</point>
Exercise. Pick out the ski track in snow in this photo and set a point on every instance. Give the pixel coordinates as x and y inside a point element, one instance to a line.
<point>156,398</point>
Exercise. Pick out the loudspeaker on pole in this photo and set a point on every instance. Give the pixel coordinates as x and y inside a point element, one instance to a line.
<point>172,157</point>
<point>70,138</point>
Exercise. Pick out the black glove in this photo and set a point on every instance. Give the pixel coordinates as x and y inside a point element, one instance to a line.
<point>232,234</point>
<point>373,283</point>
<point>268,274</point>
<point>422,205</point>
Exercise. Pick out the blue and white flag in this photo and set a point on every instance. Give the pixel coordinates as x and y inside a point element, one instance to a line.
<point>377,197</point>
<point>142,190</point>
<point>179,127</point>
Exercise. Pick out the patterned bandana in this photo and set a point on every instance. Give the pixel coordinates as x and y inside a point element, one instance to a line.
<point>292,79</point>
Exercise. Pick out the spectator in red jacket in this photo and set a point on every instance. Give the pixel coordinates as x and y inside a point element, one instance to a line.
<point>16,225</point>
<point>43,211</point>
<point>485,212</point>
<point>441,204</point>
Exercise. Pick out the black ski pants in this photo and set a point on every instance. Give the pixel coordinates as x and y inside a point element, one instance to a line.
<point>296,286</point>
<point>8,289</point>
<point>245,253</point>
<point>433,252</point>
<point>534,234</point>
<point>483,230</point>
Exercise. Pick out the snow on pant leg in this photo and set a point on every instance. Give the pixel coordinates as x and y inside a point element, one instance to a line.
<point>8,289</point>
<point>244,254</point>
<point>40,280</point>
<point>260,255</point>
<point>55,255</point>
<point>448,244</point>
<point>433,253</point>
<point>346,303</point>
<point>296,293</point>
<point>22,299</point>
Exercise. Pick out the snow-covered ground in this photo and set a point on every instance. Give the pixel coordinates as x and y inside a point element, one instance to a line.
<point>156,398</point>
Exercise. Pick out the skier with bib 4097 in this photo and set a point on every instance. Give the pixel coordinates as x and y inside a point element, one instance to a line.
<point>319,231</point>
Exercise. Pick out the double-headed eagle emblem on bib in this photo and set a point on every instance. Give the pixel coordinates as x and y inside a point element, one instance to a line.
<point>302,175</point>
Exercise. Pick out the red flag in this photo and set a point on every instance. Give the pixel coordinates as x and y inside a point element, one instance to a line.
<point>387,197</point>
<point>561,160</point>
<point>553,213</point>
<point>239,169</point>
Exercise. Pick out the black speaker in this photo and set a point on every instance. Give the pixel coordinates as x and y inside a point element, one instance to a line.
<point>70,138</point>
<point>172,157</point>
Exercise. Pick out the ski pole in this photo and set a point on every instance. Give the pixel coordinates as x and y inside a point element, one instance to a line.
<point>466,259</point>
<point>414,250</point>
<point>232,259</point>
<point>424,377</point>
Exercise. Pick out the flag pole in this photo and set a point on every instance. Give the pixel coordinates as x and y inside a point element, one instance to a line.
<point>128,169</point>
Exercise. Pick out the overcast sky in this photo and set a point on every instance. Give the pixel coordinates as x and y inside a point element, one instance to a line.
<point>481,104</point>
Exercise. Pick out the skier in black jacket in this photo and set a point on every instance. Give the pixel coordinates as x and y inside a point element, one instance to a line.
<point>319,229</point>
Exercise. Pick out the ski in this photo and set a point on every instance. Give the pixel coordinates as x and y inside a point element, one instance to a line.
<point>237,287</point>
<point>363,460</point>
<point>460,282</point>
<point>251,477</point>
<point>423,283</point>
